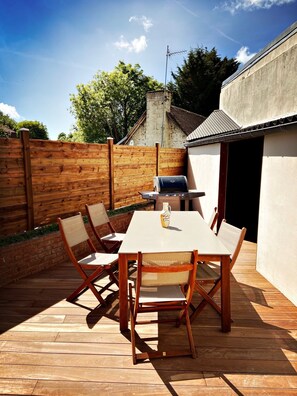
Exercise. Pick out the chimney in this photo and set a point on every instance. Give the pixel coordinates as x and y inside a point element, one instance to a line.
<point>157,104</point>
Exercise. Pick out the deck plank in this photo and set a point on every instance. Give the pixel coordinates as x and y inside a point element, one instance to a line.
<point>49,346</point>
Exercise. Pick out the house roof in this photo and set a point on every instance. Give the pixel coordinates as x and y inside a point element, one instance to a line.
<point>7,131</point>
<point>261,129</point>
<point>186,120</point>
<point>217,123</point>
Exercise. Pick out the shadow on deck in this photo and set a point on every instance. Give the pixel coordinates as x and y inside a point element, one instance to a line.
<point>49,346</point>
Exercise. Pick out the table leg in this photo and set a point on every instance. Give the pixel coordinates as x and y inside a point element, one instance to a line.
<point>123,292</point>
<point>225,294</point>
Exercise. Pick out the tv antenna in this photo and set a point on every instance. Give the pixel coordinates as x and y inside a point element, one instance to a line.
<point>168,54</point>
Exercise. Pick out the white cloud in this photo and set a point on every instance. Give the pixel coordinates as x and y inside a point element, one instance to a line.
<point>250,5</point>
<point>122,43</point>
<point>137,45</point>
<point>9,110</point>
<point>144,21</point>
<point>243,55</point>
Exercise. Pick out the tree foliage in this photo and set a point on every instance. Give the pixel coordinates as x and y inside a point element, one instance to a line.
<point>74,136</point>
<point>62,136</point>
<point>7,125</point>
<point>37,130</point>
<point>111,103</point>
<point>197,83</point>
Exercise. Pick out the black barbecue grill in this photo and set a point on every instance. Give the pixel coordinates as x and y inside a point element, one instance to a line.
<point>172,186</point>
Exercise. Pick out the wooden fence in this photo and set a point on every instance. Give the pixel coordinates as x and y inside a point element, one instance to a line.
<point>42,179</point>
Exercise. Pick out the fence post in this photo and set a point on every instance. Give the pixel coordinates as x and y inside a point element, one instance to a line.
<point>24,133</point>
<point>111,172</point>
<point>157,158</point>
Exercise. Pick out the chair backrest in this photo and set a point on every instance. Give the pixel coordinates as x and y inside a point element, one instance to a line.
<point>174,202</point>
<point>97,214</point>
<point>169,268</point>
<point>213,218</point>
<point>232,237</point>
<point>73,230</point>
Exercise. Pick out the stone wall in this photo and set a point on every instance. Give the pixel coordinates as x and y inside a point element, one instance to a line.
<point>156,107</point>
<point>151,131</point>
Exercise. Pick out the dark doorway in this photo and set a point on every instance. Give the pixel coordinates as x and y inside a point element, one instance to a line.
<point>243,184</point>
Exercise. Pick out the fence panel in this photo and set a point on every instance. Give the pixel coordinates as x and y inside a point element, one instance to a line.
<point>13,202</point>
<point>134,169</point>
<point>173,161</point>
<point>66,176</point>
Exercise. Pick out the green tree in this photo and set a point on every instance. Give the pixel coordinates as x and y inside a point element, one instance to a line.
<point>197,84</point>
<point>111,103</point>
<point>62,136</point>
<point>7,125</point>
<point>74,136</point>
<point>37,130</point>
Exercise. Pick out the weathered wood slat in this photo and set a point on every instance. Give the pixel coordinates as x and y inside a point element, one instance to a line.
<point>66,176</point>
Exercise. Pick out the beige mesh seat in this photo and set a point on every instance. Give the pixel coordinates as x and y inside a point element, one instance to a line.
<point>174,202</point>
<point>92,266</point>
<point>159,286</point>
<point>98,217</point>
<point>213,218</point>
<point>209,273</point>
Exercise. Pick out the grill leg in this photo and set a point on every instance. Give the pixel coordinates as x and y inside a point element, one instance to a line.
<point>183,204</point>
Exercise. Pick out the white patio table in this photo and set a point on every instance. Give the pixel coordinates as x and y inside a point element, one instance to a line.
<point>187,231</point>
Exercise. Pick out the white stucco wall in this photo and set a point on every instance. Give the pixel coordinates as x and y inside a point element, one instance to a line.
<point>203,175</point>
<point>266,90</point>
<point>277,230</point>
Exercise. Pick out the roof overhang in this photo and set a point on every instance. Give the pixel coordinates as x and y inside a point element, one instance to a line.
<point>284,124</point>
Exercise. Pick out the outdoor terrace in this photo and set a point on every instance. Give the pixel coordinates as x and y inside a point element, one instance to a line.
<point>52,347</point>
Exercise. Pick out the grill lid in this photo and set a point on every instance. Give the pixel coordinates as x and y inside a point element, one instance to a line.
<point>170,184</point>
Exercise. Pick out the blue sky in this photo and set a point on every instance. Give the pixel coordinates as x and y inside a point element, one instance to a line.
<point>47,47</point>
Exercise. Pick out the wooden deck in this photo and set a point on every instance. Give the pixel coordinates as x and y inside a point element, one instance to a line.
<point>52,347</point>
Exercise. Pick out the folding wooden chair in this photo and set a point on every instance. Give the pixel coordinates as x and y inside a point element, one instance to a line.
<point>174,202</point>
<point>73,233</point>
<point>159,287</point>
<point>98,217</point>
<point>213,218</point>
<point>209,273</point>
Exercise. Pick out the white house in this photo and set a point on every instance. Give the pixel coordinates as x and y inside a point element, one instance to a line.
<point>244,156</point>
